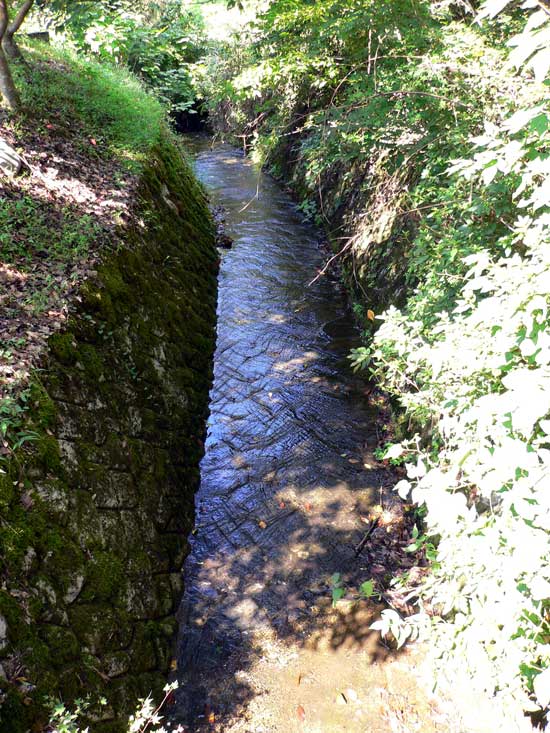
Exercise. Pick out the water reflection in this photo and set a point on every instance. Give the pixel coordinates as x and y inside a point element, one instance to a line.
<point>287,479</point>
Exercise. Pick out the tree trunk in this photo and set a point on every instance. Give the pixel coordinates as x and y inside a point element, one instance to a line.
<point>10,96</point>
<point>11,48</point>
<point>8,43</point>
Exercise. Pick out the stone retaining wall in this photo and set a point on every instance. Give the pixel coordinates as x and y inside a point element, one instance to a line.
<point>95,513</point>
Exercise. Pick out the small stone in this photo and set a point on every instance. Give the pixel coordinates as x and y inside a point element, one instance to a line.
<point>3,632</point>
<point>10,161</point>
<point>73,591</point>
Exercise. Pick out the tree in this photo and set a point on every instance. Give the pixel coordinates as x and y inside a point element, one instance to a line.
<point>10,96</point>
<point>8,44</point>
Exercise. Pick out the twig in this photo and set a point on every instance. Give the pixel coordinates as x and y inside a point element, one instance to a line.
<point>256,195</point>
<point>373,525</point>
<point>320,274</point>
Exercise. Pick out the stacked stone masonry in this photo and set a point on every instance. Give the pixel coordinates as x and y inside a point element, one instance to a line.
<point>95,513</point>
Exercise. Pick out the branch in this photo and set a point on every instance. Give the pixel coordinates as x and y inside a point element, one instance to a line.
<point>373,525</point>
<point>22,13</point>
<point>344,249</point>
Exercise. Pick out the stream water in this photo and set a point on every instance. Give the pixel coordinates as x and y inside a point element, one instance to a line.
<point>288,481</point>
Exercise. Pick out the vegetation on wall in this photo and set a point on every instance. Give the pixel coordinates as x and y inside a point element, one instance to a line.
<point>109,289</point>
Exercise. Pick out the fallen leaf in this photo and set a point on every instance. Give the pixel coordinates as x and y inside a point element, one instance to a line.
<point>93,141</point>
<point>262,524</point>
<point>301,713</point>
<point>370,315</point>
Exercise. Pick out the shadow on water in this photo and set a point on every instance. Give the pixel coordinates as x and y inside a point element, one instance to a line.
<point>288,478</point>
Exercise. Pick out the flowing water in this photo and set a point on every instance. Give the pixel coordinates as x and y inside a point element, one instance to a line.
<point>289,487</point>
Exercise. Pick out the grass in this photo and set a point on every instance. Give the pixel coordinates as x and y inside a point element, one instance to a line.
<point>107,103</point>
<point>85,130</point>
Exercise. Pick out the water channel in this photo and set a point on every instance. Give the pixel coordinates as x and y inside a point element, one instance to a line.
<point>288,481</point>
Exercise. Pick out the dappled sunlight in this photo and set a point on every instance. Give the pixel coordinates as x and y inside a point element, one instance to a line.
<point>67,209</point>
<point>286,500</point>
<point>297,363</point>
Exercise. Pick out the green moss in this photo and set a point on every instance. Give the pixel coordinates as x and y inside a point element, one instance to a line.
<point>63,348</point>
<point>126,389</point>
<point>14,714</point>
<point>48,453</point>
<point>105,578</point>
<point>62,644</point>
<point>113,283</point>
<point>43,407</point>
<point>91,361</point>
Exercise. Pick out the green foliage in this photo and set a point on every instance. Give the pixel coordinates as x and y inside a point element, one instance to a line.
<point>333,85</point>
<point>68,721</point>
<point>470,356</point>
<point>401,629</point>
<point>338,591</point>
<point>366,590</point>
<point>158,42</point>
<point>72,719</point>
<point>13,431</point>
<point>25,232</point>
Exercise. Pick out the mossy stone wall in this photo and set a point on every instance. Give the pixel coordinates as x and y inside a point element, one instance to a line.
<point>364,212</point>
<point>96,512</point>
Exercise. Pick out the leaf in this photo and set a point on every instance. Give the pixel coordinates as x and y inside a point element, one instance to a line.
<point>394,451</point>
<point>403,488</point>
<point>540,63</point>
<point>367,588</point>
<point>337,594</point>
<point>521,118</point>
<point>541,687</point>
<point>300,713</point>
<point>370,315</point>
<point>491,8</point>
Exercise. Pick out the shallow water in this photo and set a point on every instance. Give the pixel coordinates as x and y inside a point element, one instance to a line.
<point>288,479</point>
